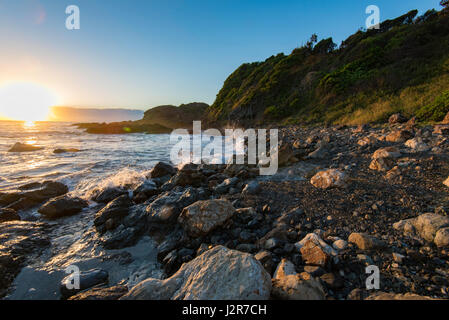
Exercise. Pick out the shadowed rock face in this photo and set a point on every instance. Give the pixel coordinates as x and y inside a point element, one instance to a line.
<point>20,242</point>
<point>218,274</point>
<point>62,206</point>
<point>23,147</point>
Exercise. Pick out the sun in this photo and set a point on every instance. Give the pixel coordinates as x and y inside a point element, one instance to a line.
<point>26,101</point>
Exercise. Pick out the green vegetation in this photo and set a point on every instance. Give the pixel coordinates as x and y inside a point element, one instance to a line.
<point>403,67</point>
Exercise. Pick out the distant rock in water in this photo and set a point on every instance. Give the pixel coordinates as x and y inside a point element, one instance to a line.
<point>158,120</point>
<point>69,150</point>
<point>23,147</point>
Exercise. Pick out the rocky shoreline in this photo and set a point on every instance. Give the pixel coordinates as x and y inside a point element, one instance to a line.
<point>345,198</point>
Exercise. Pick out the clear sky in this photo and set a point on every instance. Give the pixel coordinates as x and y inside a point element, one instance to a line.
<point>144,53</point>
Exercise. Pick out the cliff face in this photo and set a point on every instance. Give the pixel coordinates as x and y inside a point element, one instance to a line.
<point>402,67</point>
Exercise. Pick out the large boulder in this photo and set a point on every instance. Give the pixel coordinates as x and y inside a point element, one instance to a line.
<point>217,274</point>
<point>329,179</point>
<point>202,217</point>
<point>23,147</point>
<point>425,226</point>
<point>62,206</point>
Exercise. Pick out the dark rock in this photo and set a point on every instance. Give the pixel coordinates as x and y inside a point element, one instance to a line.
<point>145,191</point>
<point>62,206</point>
<point>332,281</point>
<point>252,188</point>
<point>115,210</point>
<point>108,194</point>
<point>69,150</point>
<point>87,279</point>
<point>162,169</point>
<point>32,197</point>
<point>8,215</point>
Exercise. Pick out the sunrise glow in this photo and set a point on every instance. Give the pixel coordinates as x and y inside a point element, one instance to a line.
<point>26,101</point>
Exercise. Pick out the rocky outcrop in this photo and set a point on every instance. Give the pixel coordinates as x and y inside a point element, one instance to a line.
<point>202,217</point>
<point>217,274</point>
<point>62,206</point>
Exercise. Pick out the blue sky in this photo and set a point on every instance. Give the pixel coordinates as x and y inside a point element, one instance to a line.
<point>144,53</point>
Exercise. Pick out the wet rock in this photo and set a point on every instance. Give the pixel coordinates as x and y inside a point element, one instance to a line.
<point>162,169</point>
<point>62,206</point>
<point>145,190</point>
<point>87,279</point>
<point>397,118</point>
<point>20,242</point>
<point>112,214</point>
<point>365,242</point>
<point>284,268</point>
<point>202,217</point>
<point>8,215</point>
<point>23,147</point>
<point>107,195</point>
<point>329,179</point>
<point>399,136</point>
<point>218,274</point>
<point>399,296</point>
<point>102,294</point>
<point>293,287</point>
<point>425,226</point>
<point>33,196</point>
<point>388,152</point>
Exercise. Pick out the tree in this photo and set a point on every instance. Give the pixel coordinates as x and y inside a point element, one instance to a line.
<point>445,3</point>
<point>313,40</point>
